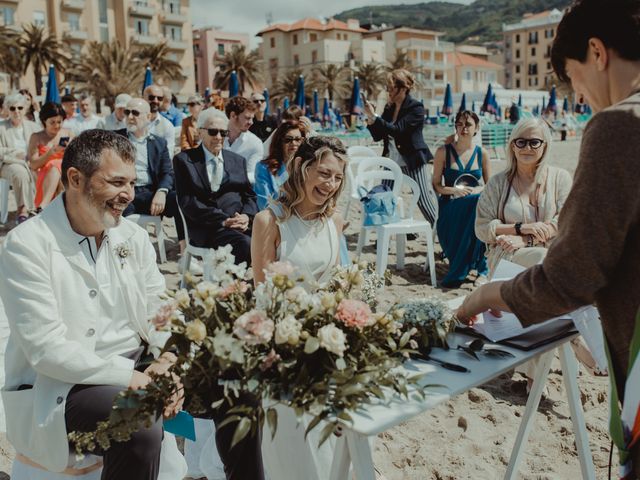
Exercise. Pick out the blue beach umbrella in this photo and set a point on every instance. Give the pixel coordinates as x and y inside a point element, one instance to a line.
<point>67,90</point>
<point>565,105</point>
<point>326,115</point>
<point>356,106</point>
<point>447,106</point>
<point>316,105</point>
<point>473,106</point>
<point>553,102</point>
<point>234,86</point>
<point>53,95</point>
<point>265,94</point>
<point>463,103</point>
<point>300,92</point>
<point>148,79</point>
<point>494,105</point>
<point>207,94</point>
<point>544,104</point>
<point>438,112</point>
<point>279,113</point>
<point>486,105</point>
<point>285,103</point>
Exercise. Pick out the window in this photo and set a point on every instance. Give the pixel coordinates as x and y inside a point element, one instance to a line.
<point>295,38</point>
<point>548,65</point>
<point>530,81</point>
<point>314,56</point>
<point>39,18</point>
<point>296,60</point>
<point>171,6</point>
<point>141,26</point>
<point>517,68</point>
<point>533,38</point>
<point>517,38</point>
<point>272,42</point>
<point>535,81</point>
<point>76,50</point>
<point>533,69</point>
<point>339,36</point>
<point>313,37</point>
<point>533,51</point>
<point>172,32</point>
<point>221,49</point>
<point>74,21</point>
<point>7,15</point>
<point>103,20</point>
<point>517,53</point>
<point>468,74</point>
<point>517,83</point>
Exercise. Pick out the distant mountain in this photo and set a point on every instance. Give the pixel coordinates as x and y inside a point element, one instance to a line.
<point>478,22</point>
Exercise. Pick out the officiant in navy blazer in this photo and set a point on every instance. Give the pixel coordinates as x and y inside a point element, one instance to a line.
<point>154,188</point>
<point>214,191</point>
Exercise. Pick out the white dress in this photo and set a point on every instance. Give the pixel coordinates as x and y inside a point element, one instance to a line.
<point>313,248</point>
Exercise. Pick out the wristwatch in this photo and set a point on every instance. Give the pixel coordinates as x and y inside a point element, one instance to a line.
<point>518,228</point>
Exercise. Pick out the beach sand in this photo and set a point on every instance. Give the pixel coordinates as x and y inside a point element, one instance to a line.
<point>470,436</point>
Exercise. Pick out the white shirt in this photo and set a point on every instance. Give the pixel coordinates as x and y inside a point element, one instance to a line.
<point>17,136</point>
<point>142,160</point>
<point>80,123</point>
<point>163,128</point>
<point>215,168</point>
<point>249,146</point>
<point>110,122</point>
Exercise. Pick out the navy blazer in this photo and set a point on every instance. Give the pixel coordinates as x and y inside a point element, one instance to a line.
<point>406,131</point>
<point>158,160</point>
<point>205,210</point>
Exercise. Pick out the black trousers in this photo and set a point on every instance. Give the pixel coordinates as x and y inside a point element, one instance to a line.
<point>142,205</point>
<point>240,243</point>
<point>136,459</point>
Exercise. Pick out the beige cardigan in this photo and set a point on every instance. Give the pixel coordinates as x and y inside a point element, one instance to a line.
<point>555,188</point>
<point>8,151</point>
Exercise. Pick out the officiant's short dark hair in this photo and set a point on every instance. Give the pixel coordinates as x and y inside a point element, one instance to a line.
<point>85,151</point>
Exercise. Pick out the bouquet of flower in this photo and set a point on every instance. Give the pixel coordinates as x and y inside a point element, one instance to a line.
<point>324,353</point>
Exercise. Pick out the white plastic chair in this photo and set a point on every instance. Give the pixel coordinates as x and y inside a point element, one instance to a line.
<point>356,154</point>
<point>156,221</point>
<point>4,200</point>
<point>202,253</point>
<point>406,225</point>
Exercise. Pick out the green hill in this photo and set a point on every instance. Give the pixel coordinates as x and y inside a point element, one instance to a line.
<point>478,22</point>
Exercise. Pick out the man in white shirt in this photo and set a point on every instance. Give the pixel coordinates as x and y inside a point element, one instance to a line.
<point>70,106</point>
<point>87,120</point>
<point>116,120</point>
<point>159,125</point>
<point>79,287</point>
<point>240,140</point>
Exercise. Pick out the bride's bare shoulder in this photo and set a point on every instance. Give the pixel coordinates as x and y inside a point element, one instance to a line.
<point>265,219</point>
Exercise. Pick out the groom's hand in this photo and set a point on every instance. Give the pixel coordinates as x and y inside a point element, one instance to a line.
<point>161,367</point>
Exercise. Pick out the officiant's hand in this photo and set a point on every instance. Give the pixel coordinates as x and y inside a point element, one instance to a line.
<point>486,297</point>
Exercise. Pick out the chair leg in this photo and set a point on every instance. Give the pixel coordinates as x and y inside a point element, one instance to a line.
<point>362,239</point>
<point>401,242</point>
<point>347,209</point>
<point>187,265</point>
<point>431,261</point>
<point>160,237</point>
<point>382,251</point>
<point>4,201</point>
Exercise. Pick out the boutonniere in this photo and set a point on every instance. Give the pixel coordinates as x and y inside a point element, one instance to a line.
<point>122,251</point>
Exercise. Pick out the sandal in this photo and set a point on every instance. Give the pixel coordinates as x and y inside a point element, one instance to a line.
<point>583,354</point>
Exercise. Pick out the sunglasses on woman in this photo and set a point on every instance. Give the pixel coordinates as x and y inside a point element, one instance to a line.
<point>289,139</point>
<point>534,143</point>
<point>215,131</point>
<point>13,109</point>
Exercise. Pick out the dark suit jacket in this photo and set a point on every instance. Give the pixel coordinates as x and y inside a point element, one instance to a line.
<point>205,210</point>
<point>160,169</point>
<point>406,132</point>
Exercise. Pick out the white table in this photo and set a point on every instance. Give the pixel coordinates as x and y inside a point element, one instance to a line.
<point>352,448</point>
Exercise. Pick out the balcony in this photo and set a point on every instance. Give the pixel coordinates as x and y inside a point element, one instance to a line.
<point>11,1</point>
<point>76,35</point>
<point>142,9</point>
<point>77,5</point>
<point>176,44</point>
<point>172,17</point>
<point>144,39</point>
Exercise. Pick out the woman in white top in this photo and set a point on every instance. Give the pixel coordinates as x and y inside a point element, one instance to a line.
<point>304,232</point>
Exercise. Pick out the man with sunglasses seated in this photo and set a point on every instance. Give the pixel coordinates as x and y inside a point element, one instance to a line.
<point>263,125</point>
<point>154,192</point>
<point>159,126</point>
<point>214,191</point>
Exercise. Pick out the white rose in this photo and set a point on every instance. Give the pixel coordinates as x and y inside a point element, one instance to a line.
<point>182,297</point>
<point>196,331</point>
<point>288,330</point>
<point>332,339</point>
<point>205,290</point>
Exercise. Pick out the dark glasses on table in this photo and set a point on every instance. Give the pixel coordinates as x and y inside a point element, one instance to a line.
<point>215,131</point>
<point>128,112</point>
<point>534,143</point>
<point>289,139</point>
<point>155,97</point>
<point>13,109</point>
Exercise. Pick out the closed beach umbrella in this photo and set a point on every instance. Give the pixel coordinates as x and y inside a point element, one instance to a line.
<point>265,94</point>
<point>316,105</point>
<point>300,92</point>
<point>67,90</point>
<point>447,105</point>
<point>285,103</point>
<point>207,94</point>
<point>494,107</point>
<point>486,105</point>
<point>148,79</point>
<point>53,95</point>
<point>463,103</point>
<point>356,107</point>
<point>553,102</point>
<point>438,112</point>
<point>520,100</point>
<point>473,106</point>
<point>544,104</point>
<point>565,105</point>
<point>234,86</point>
<point>326,115</point>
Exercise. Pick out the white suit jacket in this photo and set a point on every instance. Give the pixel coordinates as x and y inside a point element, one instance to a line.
<point>48,290</point>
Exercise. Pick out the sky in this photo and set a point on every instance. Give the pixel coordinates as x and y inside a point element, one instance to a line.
<point>249,16</point>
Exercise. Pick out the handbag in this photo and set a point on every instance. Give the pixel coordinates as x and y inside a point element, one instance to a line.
<point>466,180</point>
<point>380,205</point>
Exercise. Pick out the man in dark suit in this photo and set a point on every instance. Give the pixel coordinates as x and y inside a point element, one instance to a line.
<point>154,192</point>
<point>214,191</point>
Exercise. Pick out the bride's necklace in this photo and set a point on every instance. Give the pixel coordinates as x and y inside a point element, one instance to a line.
<point>311,223</point>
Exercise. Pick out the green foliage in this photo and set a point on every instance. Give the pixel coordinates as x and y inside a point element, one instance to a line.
<point>247,66</point>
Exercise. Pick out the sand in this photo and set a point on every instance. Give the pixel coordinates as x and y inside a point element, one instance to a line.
<point>470,436</point>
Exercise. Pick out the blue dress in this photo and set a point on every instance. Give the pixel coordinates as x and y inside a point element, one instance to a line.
<point>456,223</point>
<point>267,186</point>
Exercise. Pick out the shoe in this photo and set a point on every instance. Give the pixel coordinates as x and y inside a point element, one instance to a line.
<point>480,280</point>
<point>21,219</point>
<point>195,267</point>
<point>583,355</point>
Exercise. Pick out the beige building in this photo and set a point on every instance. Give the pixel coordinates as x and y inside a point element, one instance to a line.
<point>527,50</point>
<point>427,52</point>
<point>471,71</point>
<point>209,45</point>
<point>137,22</point>
<point>310,43</point>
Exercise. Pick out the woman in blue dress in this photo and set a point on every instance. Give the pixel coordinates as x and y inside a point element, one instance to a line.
<point>464,167</point>
<point>271,173</point>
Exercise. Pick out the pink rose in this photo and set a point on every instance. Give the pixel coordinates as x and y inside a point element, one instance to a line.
<point>239,287</point>
<point>254,327</point>
<point>281,268</point>
<point>269,360</point>
<point>165,312</point>
<point>354,313</point>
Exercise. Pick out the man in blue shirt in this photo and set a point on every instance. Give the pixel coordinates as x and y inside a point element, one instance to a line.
<point>168,110</point>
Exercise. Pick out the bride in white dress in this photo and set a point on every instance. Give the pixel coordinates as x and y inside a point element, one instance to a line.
<point>303,229</point>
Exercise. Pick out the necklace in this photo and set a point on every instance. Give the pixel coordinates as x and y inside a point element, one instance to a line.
<point>310,224</point>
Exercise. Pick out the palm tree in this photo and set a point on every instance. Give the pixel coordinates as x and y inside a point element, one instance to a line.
<point>39,50</point>
<point>372,78</point>
<point>334,79</point>
<point>401,60</point>
<point>11,60</point>
<point>286,86</point>
<point>107,69</point>
<point>157,57</point>
<point>247,66</point>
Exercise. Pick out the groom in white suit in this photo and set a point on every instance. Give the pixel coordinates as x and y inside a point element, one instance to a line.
<point>79,285</point>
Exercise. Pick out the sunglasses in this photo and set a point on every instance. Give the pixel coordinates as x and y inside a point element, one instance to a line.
<point>215,131</point>
<point>192,104</point>
<point>288,139</point>
<point>155,97</point>
<point>258,101</point>
<point>128,112</point>
<point>465,125</point>
<point>534,143</point>
<point>13,109</point>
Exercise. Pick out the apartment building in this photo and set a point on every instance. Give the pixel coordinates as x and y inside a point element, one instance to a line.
<point>527,50</point>
<point>210,44</point>
<point>132,22</point>
<point>310,43</point>
<point>427,52</point>
<point>471,70</point>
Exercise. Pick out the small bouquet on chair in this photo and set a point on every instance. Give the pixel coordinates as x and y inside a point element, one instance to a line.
<point>325,354</point>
